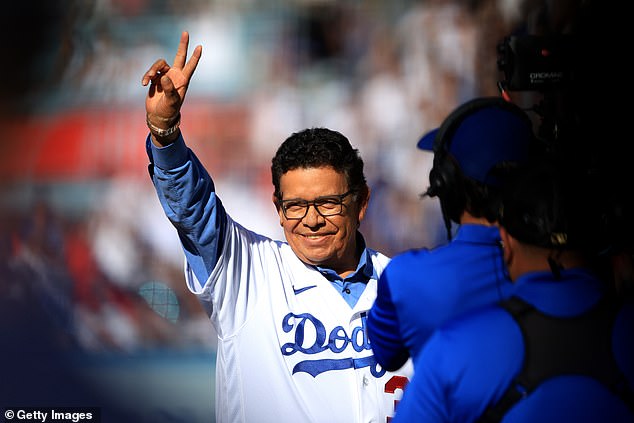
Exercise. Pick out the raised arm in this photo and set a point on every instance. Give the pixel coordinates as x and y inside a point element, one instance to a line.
<point>184,187</point>
<point>166,94</point>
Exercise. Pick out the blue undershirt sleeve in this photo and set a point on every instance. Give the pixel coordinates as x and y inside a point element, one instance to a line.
<point>187,194</point>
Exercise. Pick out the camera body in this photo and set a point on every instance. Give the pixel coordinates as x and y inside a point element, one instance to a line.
<point>536,63</point>
<point>544,64</point>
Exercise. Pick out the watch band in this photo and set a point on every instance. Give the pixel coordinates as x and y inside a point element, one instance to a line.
<point>162,133</point>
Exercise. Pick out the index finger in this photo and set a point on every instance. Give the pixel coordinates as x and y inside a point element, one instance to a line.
<point>160,66</point>
<point>181,52</point>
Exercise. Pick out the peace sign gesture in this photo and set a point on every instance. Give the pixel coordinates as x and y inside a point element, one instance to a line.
<point>168,86</point>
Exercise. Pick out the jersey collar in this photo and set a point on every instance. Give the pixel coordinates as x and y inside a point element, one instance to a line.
<point>365,269</point>
<point>480,234</point>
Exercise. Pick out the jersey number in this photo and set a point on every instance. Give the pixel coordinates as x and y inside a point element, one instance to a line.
<point>395,382</point>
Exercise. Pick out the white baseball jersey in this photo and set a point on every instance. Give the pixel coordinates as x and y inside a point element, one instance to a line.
<point>290,348</point>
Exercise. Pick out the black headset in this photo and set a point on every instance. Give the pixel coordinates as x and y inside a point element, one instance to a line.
<point>446,180</point>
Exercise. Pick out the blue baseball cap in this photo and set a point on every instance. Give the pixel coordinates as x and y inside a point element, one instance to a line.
<point>483,138</point>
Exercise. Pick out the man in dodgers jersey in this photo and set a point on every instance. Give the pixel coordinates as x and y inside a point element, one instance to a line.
<point>290,316</point>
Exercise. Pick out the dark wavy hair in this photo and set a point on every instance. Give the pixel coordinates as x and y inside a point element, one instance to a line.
<point>318,147</point>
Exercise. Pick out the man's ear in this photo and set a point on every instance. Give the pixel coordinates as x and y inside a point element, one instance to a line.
<point>278,208</point>
<point>363,201</point>
<point>504,235</point>
<point>508,245</point>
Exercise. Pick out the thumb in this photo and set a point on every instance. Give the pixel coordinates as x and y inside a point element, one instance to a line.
<point>173,100</point>
<point>168,86</point>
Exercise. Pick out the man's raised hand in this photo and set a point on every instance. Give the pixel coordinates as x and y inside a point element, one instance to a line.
<point>168,85</point>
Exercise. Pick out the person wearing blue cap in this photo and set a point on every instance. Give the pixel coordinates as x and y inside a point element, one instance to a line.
<point>561,348</point>
<point>475,147</point>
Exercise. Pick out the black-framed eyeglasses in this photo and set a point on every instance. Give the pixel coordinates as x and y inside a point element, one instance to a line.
<point>330,205</point>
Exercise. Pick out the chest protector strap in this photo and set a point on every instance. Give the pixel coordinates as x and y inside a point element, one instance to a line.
<point>580,345</point>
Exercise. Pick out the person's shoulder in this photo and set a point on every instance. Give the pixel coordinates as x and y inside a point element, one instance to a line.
<point>419,258</point>
<point>413,254</point>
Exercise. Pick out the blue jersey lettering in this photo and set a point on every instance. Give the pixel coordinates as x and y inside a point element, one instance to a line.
<point>337,341</point>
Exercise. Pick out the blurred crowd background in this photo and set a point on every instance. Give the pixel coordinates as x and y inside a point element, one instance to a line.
<point>88,259</point>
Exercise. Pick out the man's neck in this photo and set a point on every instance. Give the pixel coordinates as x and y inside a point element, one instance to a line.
<point>467,218</point>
